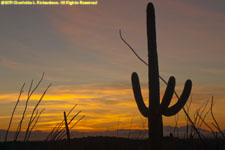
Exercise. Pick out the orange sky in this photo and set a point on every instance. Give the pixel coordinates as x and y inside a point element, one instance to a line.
<point>103,105</point>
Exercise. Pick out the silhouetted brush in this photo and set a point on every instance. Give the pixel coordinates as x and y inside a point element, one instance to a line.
<point>58,126</point>
<point>31,117</point>
<point>60,133</point>
<point>30,93</point>
<point>14,109</point>
<point>156,109</point>
<point>37,118</point>
<point>70,129</point>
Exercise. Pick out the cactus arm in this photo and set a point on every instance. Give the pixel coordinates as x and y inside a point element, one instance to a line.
<point>181,102</point>
<point>168,95</point>
<point>138,96</point>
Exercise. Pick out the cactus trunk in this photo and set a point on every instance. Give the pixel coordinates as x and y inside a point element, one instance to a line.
<point>155,131</point>
<point>154,123</point>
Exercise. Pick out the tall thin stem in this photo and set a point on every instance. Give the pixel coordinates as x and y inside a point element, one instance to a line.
<point>14,109</point>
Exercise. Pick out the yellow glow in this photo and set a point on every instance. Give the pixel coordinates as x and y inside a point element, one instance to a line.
<point>102,109</point>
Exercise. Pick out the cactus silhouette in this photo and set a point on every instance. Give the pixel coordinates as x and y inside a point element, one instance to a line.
<point>156,109</point>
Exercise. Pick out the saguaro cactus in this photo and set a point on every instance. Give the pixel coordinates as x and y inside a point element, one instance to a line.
<point>156,109</point>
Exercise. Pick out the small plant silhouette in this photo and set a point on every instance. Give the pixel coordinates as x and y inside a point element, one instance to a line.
<point>156,109</point>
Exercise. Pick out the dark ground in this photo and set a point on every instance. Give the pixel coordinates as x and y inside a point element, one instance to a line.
<point>114,143</point>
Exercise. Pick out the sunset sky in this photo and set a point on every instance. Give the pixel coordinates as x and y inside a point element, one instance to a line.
<point>82,55</point>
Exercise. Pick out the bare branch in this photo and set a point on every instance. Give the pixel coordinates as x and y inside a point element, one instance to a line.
<point>206,125</point>
<point>76,122</point>
<point>58,134</point>
<point>31,117</point>
<point>34,123</point>
<point>56,128</point>
<point>30,93</point>
<point>215,124</point>
<point>14,109</point>
<point>131,124</point>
